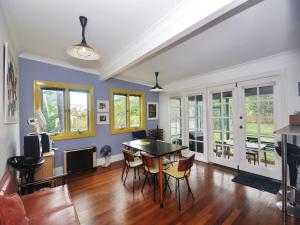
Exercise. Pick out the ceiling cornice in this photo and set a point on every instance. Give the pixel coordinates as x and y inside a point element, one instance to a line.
<point>56,62</point>
<point>183,20</point>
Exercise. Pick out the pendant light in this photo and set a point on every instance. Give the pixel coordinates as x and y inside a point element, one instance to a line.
<point>156,87</point>
<point>83,51</point>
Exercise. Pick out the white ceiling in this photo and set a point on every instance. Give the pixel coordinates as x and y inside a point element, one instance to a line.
<point>46,28</point>
<point>122,32</point>
<point>135,38</point>
<point>265,29</point>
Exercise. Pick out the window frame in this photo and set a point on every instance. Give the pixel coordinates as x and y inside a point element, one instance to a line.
<point>37,87</point>
<point>128,93</point>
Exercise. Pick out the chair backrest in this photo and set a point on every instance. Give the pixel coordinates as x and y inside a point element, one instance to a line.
<point>128,155</point>
<point>141,134</point>
<point>148,161</point>
<point>186,164</point>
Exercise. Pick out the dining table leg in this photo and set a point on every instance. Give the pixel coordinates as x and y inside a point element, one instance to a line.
<point>161,180</point>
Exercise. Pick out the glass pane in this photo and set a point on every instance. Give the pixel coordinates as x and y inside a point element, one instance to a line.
<point>228,125</point>
<point>53,108</point>
<point>266,93</point>
<point>199,135</point>
<point>227,110</point>
<point>217,124</point>
<point>200,147</point>
<point>217,136</point>
<point>120,111</point>
<point>216,110</point>
<point>192,146</point>
<point>216,98</point>
<point>192,124</point>
<point>135,111</point>
<point>227,97</point>
<point>228,138</point>
<point>266,125</point>
<point>79,111</point>
<point>192,105</point>
<point>251,92</point>
<point>266,108</point>
<point>192,135</point>
<point>252,128</point>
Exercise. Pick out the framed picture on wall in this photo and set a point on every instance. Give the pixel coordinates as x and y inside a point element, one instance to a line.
<point>102,118</point>
<point>10,88</point>
<point>152,110</point>
<point>102,106</point>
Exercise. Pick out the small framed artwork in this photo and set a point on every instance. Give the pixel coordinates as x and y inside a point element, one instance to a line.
<point>102,106</point>
<point>10,88</point>
<point>102,118</point>
<point>152,110</point>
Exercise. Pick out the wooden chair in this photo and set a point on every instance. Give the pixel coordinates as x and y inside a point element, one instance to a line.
<point>150,165</point>
<point>181,172</point>
<point>135,154</point>
<point>131,162</point>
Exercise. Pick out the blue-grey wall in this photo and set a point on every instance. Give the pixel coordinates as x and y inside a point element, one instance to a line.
<point>30,70</point>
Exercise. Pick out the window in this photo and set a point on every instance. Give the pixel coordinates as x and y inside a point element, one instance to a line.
<point>176,120</point>
<point>195,123</point>
<point>127,111</point>
<point>68,108</point>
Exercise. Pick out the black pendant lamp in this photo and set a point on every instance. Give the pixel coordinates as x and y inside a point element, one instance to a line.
<point>156,87</point>
<point>83,51</point>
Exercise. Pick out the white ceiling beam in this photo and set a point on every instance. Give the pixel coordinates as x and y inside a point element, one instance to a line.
<point>188,17</point>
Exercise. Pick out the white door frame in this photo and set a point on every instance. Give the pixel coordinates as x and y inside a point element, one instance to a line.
<point>260,169</point>
<point>232,163</point>
<point>198,156</point>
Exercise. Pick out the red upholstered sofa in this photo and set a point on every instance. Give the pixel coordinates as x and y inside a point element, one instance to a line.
<point>46,207</point>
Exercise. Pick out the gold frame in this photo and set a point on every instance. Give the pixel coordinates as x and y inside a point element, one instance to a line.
<point>37,84</point>
<point>143,116</point>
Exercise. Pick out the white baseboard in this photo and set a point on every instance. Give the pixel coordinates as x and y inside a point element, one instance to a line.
<point>114,158</point>
<point>58,170</point>
<point>100,161</point>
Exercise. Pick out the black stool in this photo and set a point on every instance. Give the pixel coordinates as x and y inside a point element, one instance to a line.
<point>293,161</point>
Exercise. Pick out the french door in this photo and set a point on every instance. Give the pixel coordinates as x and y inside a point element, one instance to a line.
<point>196,126</point>
<point>242,119</point>
<point>259,115</point>
<point>222,130</point>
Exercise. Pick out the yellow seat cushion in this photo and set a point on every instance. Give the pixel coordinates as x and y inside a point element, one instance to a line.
<point>173,171</point>
<point>137,162</point>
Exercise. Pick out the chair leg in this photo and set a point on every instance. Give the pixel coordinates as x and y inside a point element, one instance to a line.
<point>179,194</point>
<point>189,187</point>
<point>123,171</point>
<point>146,178</point>
<point>127,170</point>
<point>154,186</point>
<point>138,169</point>
<point>133,179</point>
<point>265,155</point>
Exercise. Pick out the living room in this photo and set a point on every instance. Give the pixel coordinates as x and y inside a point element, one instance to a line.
<point>150,112</point>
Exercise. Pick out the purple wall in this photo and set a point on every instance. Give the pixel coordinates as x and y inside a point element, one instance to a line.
<point>30,70</point>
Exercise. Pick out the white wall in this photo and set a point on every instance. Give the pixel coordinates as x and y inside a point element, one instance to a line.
<point>9,133</point>
<point>286,64</point>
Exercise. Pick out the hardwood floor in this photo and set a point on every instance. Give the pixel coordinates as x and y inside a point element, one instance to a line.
<point>100,198</point>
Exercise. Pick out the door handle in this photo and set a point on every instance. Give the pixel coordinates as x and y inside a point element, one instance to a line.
<point>241,127</point>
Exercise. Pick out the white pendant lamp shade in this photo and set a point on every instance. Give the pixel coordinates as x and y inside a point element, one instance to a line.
<point>156,87</point>
<point>83,51</point>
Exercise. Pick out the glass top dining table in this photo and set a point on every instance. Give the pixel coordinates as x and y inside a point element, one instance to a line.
<point>157,149</point>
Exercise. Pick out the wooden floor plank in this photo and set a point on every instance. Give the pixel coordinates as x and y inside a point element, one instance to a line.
<point>101,198</point>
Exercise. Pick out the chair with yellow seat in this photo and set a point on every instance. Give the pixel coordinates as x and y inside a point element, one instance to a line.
<point>150,165</point>
<point>181,171</point>
<point>131,162</point>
